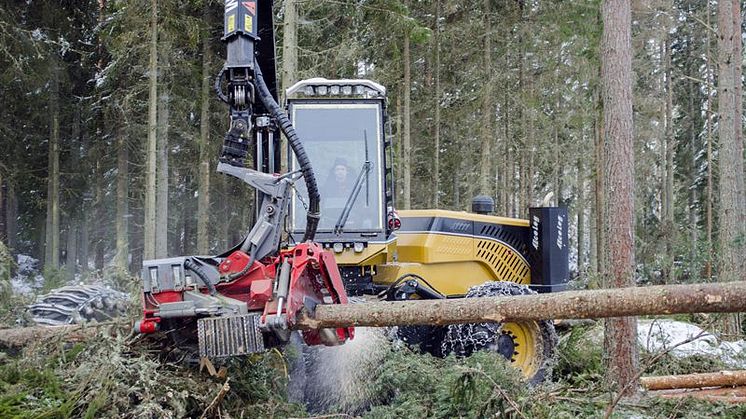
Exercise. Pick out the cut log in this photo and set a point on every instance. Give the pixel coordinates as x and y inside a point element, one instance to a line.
<point>24,336</point>
<point>619,302</point>
<point>715,379</point>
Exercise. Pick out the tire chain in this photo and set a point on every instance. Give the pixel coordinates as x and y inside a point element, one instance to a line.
<point>75,304</point>
<point>464,339</point>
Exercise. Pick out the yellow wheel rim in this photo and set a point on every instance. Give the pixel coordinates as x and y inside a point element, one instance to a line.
<point>525,336</point>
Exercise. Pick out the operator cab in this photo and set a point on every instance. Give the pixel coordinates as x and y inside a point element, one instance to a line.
<point>342,126</point>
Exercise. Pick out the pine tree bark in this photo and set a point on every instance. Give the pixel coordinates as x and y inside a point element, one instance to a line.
<point>71,260</point>
<point>122,222</point>
<point>616,80</point>
<point>708,210</point>
<point>604,303</point>
<point>599,214</point>
<point>99,235</point>
<point>740,169</point>
<point>670,147</point>
<point>52,248</point>
<point>203,199</point>
<point>655,300</point>
<point>11,214</point>
<point>289,62</point>
<point>436,122</point>
<point>161,199</point>
<point>83,244</point>
<point>3,209</point>
<point>731,225</point>
<point>151,149</point>
<point>580,208</point>
<point>290,43</point>
<point>713,379</point>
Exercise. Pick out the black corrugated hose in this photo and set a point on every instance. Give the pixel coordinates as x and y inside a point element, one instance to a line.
<point>312,218</point>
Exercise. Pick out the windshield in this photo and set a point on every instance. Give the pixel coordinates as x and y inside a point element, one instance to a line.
<point>342,142</point>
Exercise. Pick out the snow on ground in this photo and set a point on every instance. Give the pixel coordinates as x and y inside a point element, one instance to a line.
<point>661,334</point>
<point>27,280</point>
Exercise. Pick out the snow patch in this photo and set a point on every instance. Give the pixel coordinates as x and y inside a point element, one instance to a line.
<point>662,334</point>
<point>27,280</point>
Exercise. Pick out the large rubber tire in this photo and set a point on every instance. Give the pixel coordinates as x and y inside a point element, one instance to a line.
<point>528,345</point>
<point>78,304</point>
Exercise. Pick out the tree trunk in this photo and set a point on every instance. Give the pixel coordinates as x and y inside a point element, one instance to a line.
<point>83,252</point>
<point>3,209</point>
<point>122,222</point>
<point>71,259</point>
<point>151,150</point>
<point>616,79</point>
<point>24,336</point>
<point>605,303</point>
<point>731,229</point>
<point>289,63</point>
<point>670,147</point>
<point>161,199</point>
<point>708,210</point>
<point>436,122</point>
<point>713,379</point>
<point>290,43</point>
<point>406,155</point>
<point>52,248</point>
<point>486,134</point>
<point>694,191</point>
<point>598,185</point>
<point>203,199</point>
<point>505,167</point>
<point>11,214</point>
<point>580,208</point>
<point>654,300</point>
<point>740,173</point>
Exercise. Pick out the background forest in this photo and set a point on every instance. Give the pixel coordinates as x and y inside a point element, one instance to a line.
<point>494,97</point>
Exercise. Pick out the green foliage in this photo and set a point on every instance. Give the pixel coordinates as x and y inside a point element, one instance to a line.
<point>419,385</point>
<point>580,356</point>
<point>106,377</point>
<point>671,365</point>
<point>53,278</point>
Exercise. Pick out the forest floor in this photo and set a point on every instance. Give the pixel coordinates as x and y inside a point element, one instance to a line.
<point>119,374</point>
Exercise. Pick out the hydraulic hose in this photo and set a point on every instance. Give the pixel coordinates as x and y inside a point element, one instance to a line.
<point>312,218</point>
<point>194,267</point>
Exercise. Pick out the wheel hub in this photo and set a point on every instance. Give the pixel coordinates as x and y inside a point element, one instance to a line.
<point>505,345</point>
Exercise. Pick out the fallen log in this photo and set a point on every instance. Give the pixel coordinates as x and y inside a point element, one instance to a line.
<point>617,302</point>
<point>715,379</point>
<point>24,336</point>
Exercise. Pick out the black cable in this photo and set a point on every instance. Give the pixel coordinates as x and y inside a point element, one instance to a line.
<point>194,267</point>
<point>314,198</point>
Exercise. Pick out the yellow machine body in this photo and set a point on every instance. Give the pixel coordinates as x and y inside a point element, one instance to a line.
<point>452,259</point>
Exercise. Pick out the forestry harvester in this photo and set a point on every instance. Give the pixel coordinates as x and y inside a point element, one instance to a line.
<point>317,241</point>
